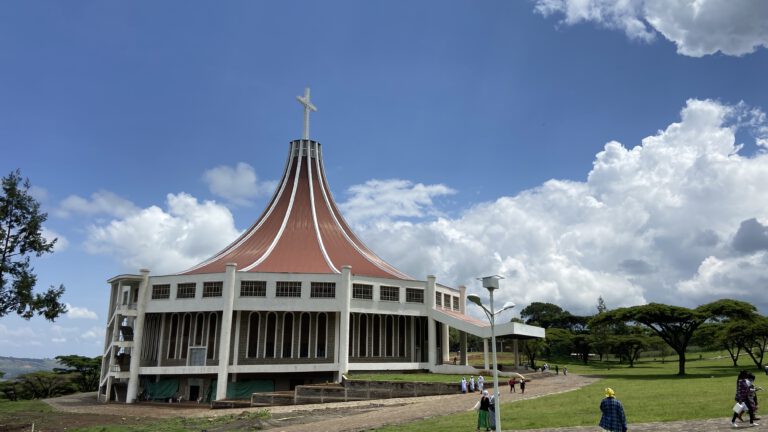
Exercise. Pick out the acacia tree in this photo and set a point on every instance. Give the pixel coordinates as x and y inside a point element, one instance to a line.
<point>676,324</point>
<point>85,370</point>
<point>21,224</point>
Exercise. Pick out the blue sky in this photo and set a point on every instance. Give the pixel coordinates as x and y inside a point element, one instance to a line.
<point>581,149</point>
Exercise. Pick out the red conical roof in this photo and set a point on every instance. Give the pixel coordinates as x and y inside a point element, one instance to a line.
<point>301,230</point>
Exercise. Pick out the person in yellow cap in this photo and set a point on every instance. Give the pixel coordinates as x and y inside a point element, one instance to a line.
<point>613,418</point>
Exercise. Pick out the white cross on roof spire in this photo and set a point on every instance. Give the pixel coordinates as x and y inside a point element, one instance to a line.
<point>307,108</point>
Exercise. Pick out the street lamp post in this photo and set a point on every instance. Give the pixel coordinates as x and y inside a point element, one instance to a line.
<point>491,283</point>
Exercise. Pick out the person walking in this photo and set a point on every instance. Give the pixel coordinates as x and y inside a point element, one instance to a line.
<point>512,383</point>
<point>463,385</point>
<point>522,386</point>
<point>613,418</point>
<point>482,412</point>
<point>492,413</point>
<point>742,396</point>
<point>480,383</point>
<point>471,384</point>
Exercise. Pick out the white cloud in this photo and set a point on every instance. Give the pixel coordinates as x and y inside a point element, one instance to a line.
<point>698,28</point>
<point>654,222</point>
<point>94,333</point>
<point>165,241</point>
<point>386,199</point>
<point>61,242</point>
<point>102,202</point>
<point>238,185</point>
<point>80,312</point>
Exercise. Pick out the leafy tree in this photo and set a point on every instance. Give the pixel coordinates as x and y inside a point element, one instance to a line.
<point>542,314</point>
<point>559,343</point>
<point>43,384</point>
<point>676,324</point>
<point>86,371</point>
<point>629,347</point>
<point>601,307</point>
<point>532,349</point>
<point>21,224</point>
<point>750,336</point>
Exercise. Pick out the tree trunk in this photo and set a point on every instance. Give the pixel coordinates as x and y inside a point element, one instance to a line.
<point>681,363</point>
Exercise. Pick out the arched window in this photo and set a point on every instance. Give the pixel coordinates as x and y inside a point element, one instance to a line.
<point>287,335</point>
<point>173,336</point>
<point>199,326</point>
<point>269,348</point>
<point>390,339</point>
<point>212,320</point>
<point>363,350</point>
<point>304,336</point>
<point>253,335</point>
<point>185,334</point>
<point>376,336</point>
<point>322,332</point>
<point>401,336</point>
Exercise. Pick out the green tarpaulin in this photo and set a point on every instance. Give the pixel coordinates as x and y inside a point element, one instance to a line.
<point>163,389</point>
<point>243,389</point>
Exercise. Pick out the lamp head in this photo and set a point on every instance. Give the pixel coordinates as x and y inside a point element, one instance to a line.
<point>508,305</point>
<point>474,298</point>
<point>491,282</point>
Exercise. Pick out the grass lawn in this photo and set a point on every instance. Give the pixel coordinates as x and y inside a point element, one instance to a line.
<point>651,391</point>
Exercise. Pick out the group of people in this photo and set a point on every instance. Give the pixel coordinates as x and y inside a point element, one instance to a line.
<point>746,398</point>
<point>486,412</point>
<point>513,382</point>
<point>470,386</point>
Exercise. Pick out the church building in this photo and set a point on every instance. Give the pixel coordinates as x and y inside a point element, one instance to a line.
<point>297,299</point>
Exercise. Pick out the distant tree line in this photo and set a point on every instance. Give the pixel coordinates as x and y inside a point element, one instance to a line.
<point>80,374</point>
<point>732,325</point>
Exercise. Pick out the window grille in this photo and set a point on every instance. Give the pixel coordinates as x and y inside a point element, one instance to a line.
<point>288,289</point>
<point>322,290</point>
<point>414,295</point>
<point>389,293</point>
<point>253,289</point>
<point>161,291</point>
<point>186,290</point>
<point>455,303</point>
<point>362,291</point>
<point>438,299</point>
<point>212,289</point>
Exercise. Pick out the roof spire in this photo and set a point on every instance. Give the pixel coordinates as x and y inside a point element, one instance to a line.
<point>307,108</point>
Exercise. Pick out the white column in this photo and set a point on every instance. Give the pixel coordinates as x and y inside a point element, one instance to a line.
<point>161,350</point>
<point>226,331</point>
<point>138,336</point>
<point>345,294</point>
<point>431,333</point>
<point>238,321</point>
<point>463,299</point>
<point>517,353</point>
<point>446,353</point>
<point>485,354</point>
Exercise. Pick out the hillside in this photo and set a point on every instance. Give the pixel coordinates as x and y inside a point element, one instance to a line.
<point>14,367</point>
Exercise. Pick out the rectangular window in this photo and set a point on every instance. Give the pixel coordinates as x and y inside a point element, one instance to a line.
<point>288,289</point>
<point>323,290</point>
<point>413,295</point>
<point>362,291</point>
<point>438,299</point>
<point>455,303</point>
<point>196,356</point>
<point>447,301</point>
<point>253,289</point>
<point>212,289</point>
<point>186,290</point>
<point>161,291</point>
<point>389,293</point>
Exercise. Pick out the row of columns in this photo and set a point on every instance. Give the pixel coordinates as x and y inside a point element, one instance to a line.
<point>342,329</point>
